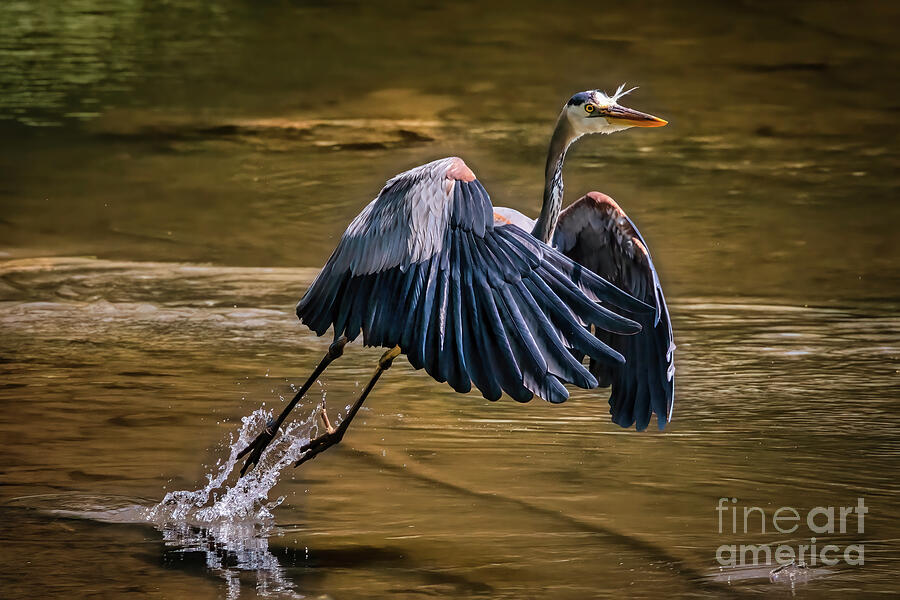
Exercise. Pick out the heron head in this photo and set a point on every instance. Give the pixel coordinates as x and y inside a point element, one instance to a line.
<point>594,111</point>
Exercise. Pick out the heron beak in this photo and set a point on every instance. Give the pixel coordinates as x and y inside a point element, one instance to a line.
<point>619,115</point>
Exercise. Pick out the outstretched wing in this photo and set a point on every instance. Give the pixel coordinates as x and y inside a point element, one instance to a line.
<point>424,267</point>
<point>598,234</point>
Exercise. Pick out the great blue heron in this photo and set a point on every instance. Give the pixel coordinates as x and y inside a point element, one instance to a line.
<point>483,295</point>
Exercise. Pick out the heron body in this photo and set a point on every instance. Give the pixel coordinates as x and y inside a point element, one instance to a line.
<point>596,233</point>
<point>425,267</point>
<point>480,295</point>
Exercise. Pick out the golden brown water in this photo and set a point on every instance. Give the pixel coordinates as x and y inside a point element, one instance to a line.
<point>171,175</point>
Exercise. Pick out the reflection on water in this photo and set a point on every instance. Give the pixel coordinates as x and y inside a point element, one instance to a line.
<point>228,546</point>
<point>172,174</point>
<point>231,548</point>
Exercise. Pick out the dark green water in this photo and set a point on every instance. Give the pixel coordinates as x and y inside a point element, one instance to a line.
<point>172,174</point>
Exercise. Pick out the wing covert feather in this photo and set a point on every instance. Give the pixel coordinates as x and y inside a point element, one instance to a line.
<point>595,232</point>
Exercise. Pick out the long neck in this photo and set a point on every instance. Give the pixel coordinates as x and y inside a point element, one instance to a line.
<point>563,136</point>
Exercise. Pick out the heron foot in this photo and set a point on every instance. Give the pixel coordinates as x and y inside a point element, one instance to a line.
<point>325,420</point>
<point>258,445</point>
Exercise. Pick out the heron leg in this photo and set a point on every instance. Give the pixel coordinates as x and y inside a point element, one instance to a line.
<point>333,435</point>
<point>256,447</point>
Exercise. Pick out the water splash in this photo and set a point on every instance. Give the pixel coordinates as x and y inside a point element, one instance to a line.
<point>792,572</point>
<point>247,500</point>
<point>231,525</point>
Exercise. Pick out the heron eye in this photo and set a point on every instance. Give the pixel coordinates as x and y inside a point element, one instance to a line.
<point>589,108</point>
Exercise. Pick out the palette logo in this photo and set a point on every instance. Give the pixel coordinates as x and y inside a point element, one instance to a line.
<point>821,520</point>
